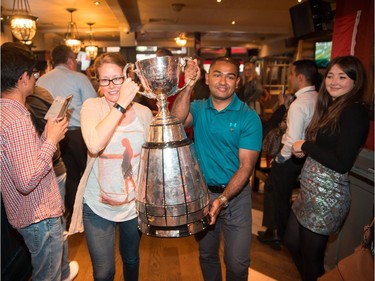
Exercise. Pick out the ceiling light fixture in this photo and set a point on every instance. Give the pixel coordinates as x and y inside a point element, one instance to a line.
<point>181,40</point>
<point>22,23</point>
<point>177,7</point>
<point>91,50</point>
<point>71,35</point>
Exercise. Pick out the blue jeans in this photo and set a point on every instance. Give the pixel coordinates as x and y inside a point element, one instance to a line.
<point>45,243</point>
<point>235,224</point>
<point>100,236</point>
<point>65,258</point>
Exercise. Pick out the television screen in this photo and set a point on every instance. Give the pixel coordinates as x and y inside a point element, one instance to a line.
<point>323,53</point>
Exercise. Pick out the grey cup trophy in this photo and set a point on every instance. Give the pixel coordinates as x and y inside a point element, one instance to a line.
<point>172,198</point>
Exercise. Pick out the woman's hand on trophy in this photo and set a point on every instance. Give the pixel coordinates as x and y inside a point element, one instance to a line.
<point>192,72</point>
<point>127,92</point>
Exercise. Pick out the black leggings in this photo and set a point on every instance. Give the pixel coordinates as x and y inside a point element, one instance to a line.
<point>307,249</point>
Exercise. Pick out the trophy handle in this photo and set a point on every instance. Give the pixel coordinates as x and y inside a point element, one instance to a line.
<point>183,62</point>
<point>147,93</point>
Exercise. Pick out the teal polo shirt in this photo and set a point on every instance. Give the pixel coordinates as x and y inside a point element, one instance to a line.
<point>218,136</point>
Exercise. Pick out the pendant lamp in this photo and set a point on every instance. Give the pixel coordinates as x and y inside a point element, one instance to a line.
<point>23,24</point>
<point>91,50</point>
<point>71,35</point>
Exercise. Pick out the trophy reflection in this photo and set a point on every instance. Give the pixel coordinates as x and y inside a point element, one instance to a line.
<point>172,198</point>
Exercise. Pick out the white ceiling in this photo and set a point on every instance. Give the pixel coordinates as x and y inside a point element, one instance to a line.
<point>155,22</point>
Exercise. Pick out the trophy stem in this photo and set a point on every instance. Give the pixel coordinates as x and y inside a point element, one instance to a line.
<point>162,104</point>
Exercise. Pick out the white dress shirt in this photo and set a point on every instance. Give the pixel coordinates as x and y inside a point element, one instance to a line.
<point>298,118</point>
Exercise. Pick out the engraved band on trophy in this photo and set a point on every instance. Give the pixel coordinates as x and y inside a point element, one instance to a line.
<point>172,198</point>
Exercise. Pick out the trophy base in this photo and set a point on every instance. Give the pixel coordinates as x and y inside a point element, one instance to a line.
<point>175,231</point>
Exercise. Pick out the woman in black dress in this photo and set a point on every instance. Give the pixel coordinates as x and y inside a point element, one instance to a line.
<point>334,137</point>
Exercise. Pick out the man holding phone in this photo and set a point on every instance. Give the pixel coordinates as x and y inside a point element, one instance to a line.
<point>28,185</point>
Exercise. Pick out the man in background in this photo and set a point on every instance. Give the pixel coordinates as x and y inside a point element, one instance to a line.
<point>38,104</point>
<point>304,80</point>
<point>64,80</point>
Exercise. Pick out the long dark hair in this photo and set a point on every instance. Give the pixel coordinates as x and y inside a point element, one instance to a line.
<point>327,110</point>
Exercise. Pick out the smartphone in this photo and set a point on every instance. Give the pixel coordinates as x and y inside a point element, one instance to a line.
<point>283,90</point>
<point>59,108</point>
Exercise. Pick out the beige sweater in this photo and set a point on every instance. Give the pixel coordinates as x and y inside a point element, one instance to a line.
<point>101,110</point>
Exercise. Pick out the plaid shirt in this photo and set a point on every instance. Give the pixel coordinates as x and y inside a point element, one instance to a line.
<point>28,184</point>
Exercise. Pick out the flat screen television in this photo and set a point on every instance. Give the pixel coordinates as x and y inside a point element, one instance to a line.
<point>323,53</point>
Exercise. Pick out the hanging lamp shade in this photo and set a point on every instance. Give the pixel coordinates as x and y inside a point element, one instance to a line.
<point>91,50</point>
<point>23,24</point>
<point>181,40</point>
<point>71,36</point>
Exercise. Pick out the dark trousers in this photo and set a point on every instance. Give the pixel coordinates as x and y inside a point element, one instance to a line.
<point>277,192</point>
<point>234,226</point>
<point>74,154</point>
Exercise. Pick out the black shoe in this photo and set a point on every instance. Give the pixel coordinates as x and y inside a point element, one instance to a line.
<point>261,233</point>
<point>269,236</point>
<point>276,245</point>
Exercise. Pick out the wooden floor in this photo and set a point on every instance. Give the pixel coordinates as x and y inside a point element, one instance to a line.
<point>176,259</point>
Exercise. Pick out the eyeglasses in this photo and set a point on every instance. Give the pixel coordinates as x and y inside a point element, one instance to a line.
<point>36,74</point>
<point>115,81</point>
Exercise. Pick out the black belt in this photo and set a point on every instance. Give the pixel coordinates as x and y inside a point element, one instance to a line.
<point>216,188</point>
<point>219,188</point>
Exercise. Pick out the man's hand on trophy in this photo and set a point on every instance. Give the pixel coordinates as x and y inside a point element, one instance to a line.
<point>192,72</point>
<point>127,92</point>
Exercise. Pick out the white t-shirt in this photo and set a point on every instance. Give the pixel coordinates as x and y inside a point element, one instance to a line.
<point>111,186</point>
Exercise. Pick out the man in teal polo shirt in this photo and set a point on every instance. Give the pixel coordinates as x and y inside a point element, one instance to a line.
<point>228,138</point>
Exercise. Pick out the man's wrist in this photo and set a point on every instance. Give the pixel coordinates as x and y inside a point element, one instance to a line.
<point>223,201</point>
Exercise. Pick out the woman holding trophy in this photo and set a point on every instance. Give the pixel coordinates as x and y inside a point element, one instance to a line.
<point>114,129</point>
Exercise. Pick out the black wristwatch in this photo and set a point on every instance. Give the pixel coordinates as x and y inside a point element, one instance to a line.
<point>119,108</point>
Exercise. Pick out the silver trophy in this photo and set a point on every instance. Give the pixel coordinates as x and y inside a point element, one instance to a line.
<point>172,198</point>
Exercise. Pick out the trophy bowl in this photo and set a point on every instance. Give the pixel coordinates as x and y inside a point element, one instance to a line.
<point>159,75</point>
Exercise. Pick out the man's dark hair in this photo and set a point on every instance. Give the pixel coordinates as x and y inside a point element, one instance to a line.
<point>309,69</point>
<point>161,52</point>
<point>61,54</point>
<point>228,60</point>
<point>15,60</point>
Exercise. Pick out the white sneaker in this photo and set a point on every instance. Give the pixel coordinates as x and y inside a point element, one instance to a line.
<point>74,268</point>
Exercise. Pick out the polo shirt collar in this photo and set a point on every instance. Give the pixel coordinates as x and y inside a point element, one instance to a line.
<point>235,104</point>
